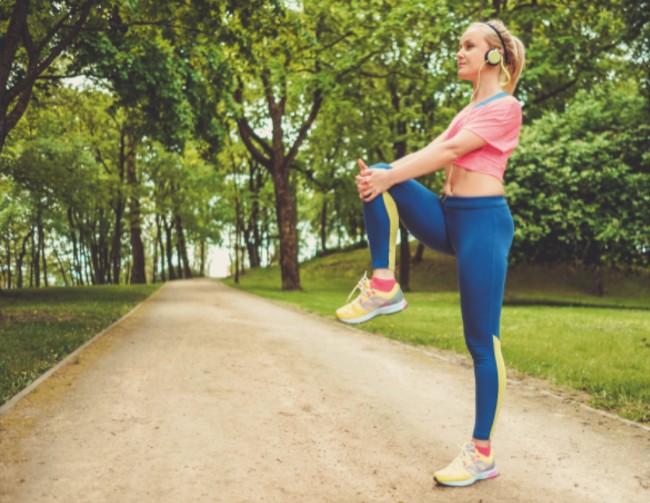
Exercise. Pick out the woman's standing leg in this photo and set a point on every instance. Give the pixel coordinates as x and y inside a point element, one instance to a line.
<point>481,231</point>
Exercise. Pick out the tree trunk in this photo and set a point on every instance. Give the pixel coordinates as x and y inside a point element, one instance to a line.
<point>599,280</point>
<point>417,258</point>
<point>135,219</point>
<point>154,268</point>
<point>182,247</point>
<point>104,256</point>
<point>179,268</point>
<point>202,263</point>
<point>323,227</point>
<point>116,245</point>
<point>41,246</point>
<point>278,160</point>
<point>169,247</point>
<point>159,240</point>
<point>253,251</point>
<point>252,236</point>
<point>21,258</point>
<point>236,250</point>
<point>8,266</point>
<point>35,276</point>
<point>287,224</point>
<point>94,263</point>
<point>61,267</point>
<point>88,271</point>
<point>76,258</point>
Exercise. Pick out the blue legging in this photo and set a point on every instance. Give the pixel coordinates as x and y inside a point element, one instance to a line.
<point>478,231</point>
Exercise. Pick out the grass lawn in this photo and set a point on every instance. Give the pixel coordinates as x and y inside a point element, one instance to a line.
<point>552,327</point>
<point>39,327</point>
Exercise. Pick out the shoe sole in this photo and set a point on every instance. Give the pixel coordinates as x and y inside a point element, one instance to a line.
<point>464,483</point>
<point>392,309</point>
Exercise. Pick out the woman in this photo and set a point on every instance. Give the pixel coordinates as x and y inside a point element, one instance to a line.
<point>471,221</point>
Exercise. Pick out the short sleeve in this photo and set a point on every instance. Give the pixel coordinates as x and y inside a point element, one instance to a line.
<point>497,124</point>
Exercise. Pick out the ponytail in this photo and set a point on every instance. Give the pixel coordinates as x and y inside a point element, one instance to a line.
<point>516,66</point>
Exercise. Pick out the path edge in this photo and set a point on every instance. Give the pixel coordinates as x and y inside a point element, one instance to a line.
<point>14,400</point>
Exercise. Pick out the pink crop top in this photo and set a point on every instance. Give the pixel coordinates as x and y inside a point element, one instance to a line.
<point>498,123</point>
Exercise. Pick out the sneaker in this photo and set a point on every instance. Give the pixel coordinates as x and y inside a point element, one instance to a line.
<point>469,467</point>
<point>371,303</point>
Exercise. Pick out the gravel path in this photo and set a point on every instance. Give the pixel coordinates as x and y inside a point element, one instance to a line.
<point>208,394</point>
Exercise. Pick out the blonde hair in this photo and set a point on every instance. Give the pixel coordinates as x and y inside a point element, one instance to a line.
<point>514,47</point>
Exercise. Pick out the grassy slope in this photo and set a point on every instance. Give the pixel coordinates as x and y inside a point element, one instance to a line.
<point>552,327</point>
<point>39,327</point>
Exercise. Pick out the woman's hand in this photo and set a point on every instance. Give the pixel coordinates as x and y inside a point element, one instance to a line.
<point>372,182</point>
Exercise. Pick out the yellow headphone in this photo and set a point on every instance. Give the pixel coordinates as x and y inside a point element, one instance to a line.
<point>493,56</point>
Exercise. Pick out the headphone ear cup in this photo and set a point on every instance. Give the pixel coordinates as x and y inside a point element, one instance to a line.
<point>493,57</point>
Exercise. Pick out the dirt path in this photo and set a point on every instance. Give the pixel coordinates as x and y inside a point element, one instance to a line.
<point>207,394</point>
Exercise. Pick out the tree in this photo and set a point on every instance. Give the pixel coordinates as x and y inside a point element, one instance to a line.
<point>405,87</point>
<point>68,191</point>
<point>163,67</point>
<point>571,46</point>
<point>290,60</point>
<point>142,70</point>
<point>578,185</point>
<point>34,34</point>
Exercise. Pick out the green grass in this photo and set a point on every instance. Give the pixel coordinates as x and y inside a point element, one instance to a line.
<point>552,327</point>
<point>39,327</point>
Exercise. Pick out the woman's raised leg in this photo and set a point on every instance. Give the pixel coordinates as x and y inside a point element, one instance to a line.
<point>420,210</point>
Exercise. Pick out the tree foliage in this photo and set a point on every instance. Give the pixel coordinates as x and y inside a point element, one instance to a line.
<point>239,122</point>
<point>33,34</point>
<point>579,184</point>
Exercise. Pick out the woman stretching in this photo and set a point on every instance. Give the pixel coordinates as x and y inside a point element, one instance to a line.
<point>471,221</point>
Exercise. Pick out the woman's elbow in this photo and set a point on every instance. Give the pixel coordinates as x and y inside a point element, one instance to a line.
<point>451,151</point>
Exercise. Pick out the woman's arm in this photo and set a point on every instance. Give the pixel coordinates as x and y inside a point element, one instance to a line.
<point>406,158</point>
<point>436,155</point>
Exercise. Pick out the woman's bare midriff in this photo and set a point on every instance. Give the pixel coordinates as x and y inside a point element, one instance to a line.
<point>466,183</point>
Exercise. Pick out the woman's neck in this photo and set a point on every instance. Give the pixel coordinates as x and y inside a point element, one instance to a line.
<point>485,92</point>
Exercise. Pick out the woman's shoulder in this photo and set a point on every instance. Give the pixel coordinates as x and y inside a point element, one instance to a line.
<point>508,106</point>
<point>505,102</point>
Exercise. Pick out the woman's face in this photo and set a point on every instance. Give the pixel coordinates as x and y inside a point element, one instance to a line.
<point>471,53</point>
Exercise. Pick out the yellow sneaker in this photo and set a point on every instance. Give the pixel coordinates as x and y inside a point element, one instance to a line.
<point>371,303</point>
<point>469,467</point>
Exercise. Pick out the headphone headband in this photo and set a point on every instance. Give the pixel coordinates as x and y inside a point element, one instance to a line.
<point>503,44</point>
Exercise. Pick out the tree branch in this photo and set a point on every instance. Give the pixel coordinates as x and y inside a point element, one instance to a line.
<point>10,41</point>
<point>59,77</point>
<point>556,91</point>
<point>18,110</point>
<point>37,69</point>
<point>309,174</point>
<point>316,104</point>
<point>53,31</point>
<point>247,133</point>
<point>32,51</point>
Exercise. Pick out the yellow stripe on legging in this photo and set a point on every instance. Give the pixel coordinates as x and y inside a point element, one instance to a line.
<point>393,216</point>
<point>501,372</point>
